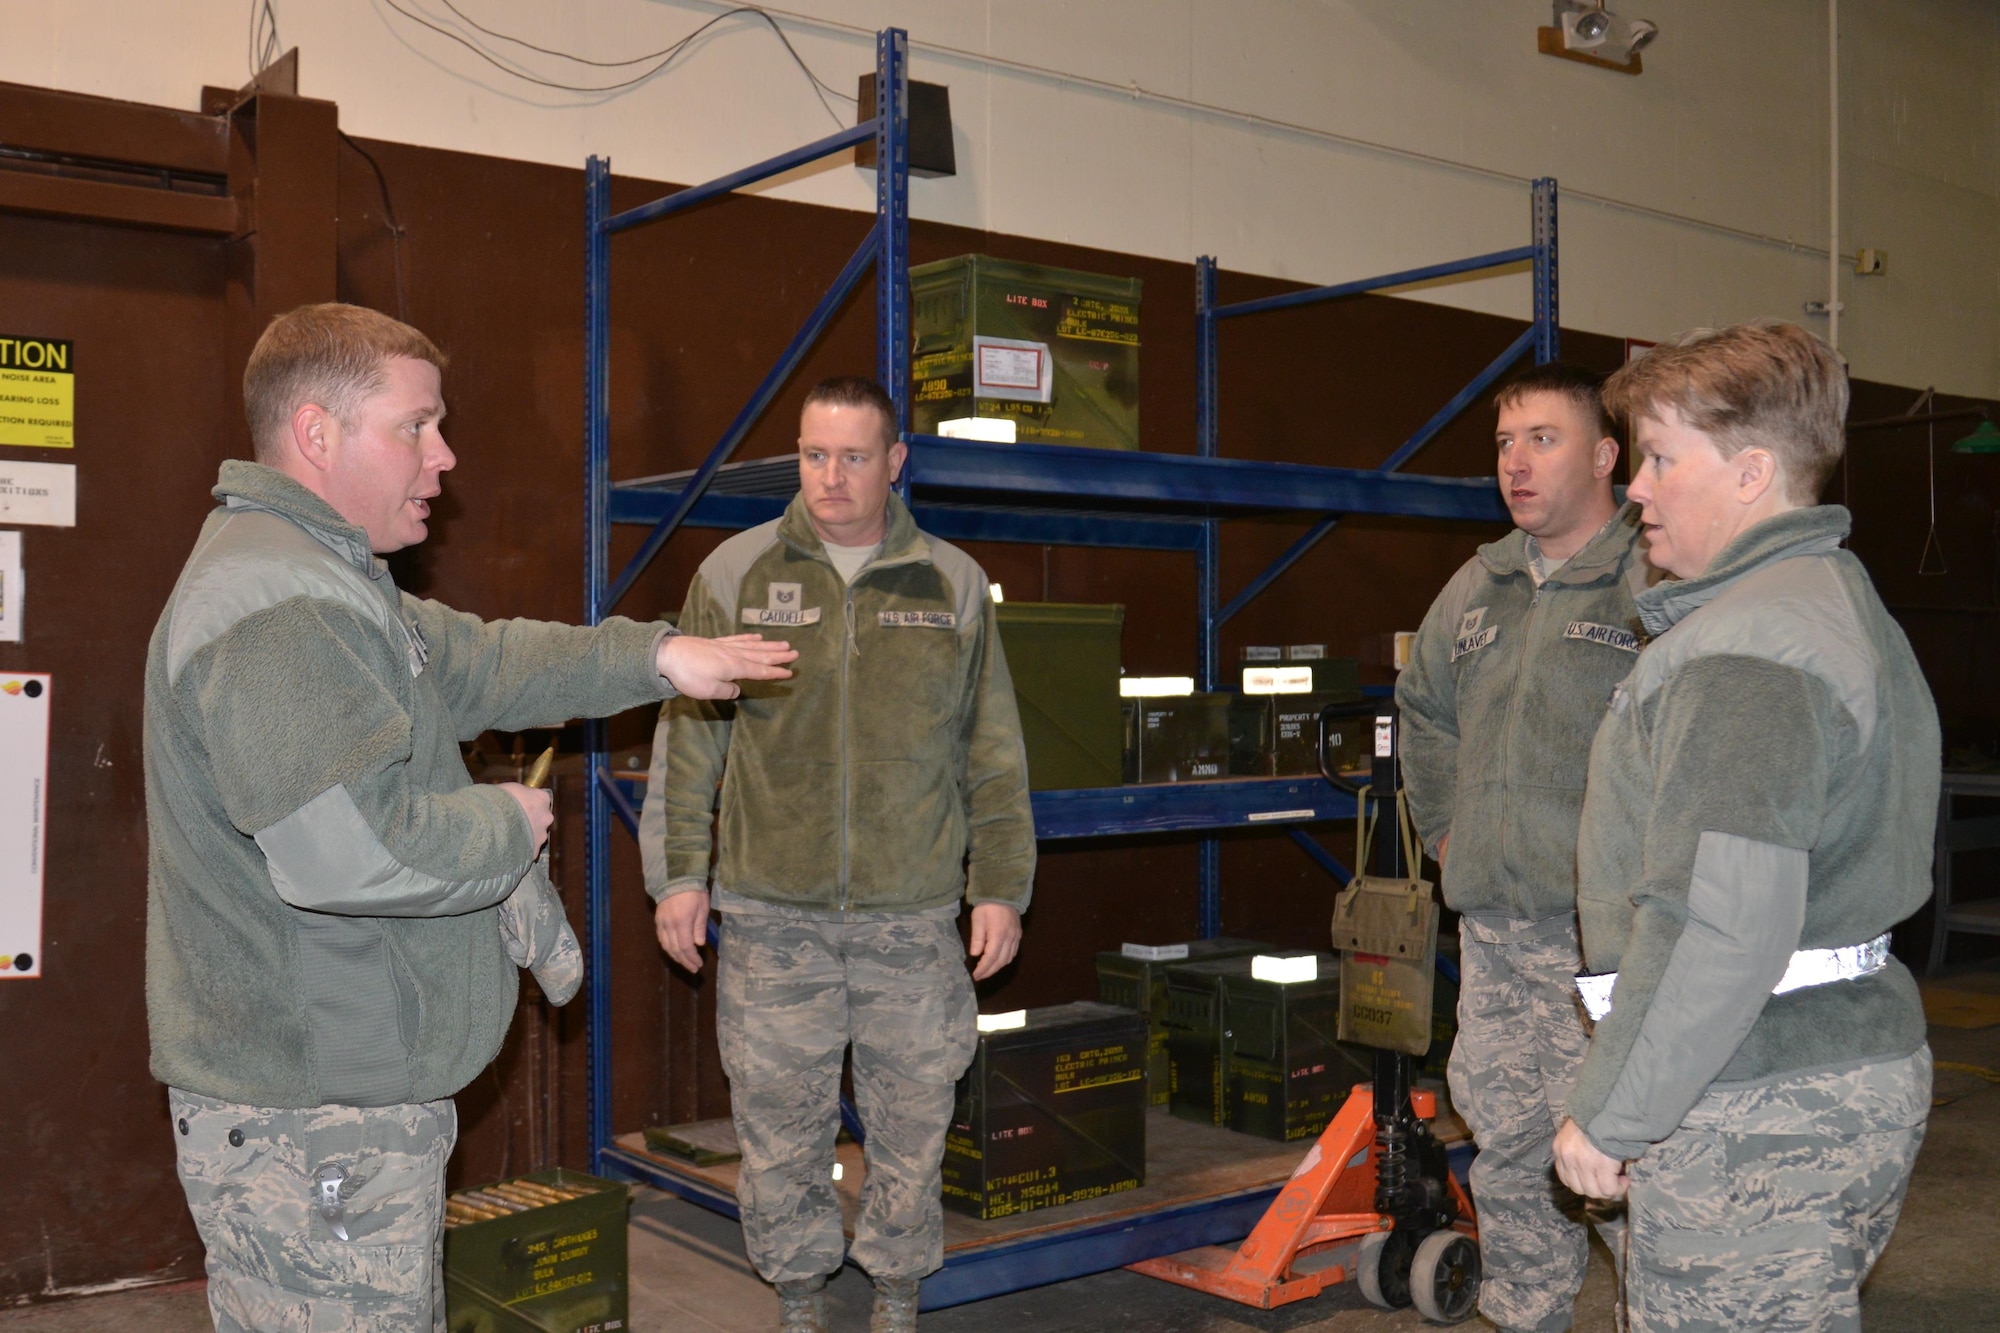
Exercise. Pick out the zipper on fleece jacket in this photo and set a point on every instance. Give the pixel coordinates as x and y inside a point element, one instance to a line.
<point>1507,737</point>
<point>854,645</point>
<point>854,650</point>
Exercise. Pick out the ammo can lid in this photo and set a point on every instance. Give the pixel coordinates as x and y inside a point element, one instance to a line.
<point>1058,613</point>
<point>1065,1024</point>
<point>1223,947</point>
<point>985,268</point>
<point>1328,978</point>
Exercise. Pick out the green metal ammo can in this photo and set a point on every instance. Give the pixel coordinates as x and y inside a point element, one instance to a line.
<point>1064,661</point>
<point>1285,1074</point>
<point>552,1267</point>
<point>1052,350</point>
<point>1141,983</point>
<point>1050,1113</point>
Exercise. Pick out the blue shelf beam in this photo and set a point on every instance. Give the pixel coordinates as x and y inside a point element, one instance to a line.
<point>620,806</point>
<point>1160,807</point>
<point>1191,485</point>
<point>1052,479</point>
<point>1057,1254</point>
<point>1326,860</point>
<point>736,180</point>
<point>1408,277</point>
<point>1186,807</point>
<point>1543,335</point>
<point>1034,1259</point>
<point>1530,336</point>
<point>886,246</point>
<point>1277,567</point>
<point>954,523</point>
<point>795,352</point>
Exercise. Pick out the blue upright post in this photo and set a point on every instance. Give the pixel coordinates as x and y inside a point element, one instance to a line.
<point>596,557</point>
<point>892,218</point>
<point>1208,561</point>
<point>892,229</point>
<point>1548,321</point>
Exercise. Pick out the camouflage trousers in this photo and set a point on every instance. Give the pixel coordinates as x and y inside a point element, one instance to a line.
<point>792,994</point>
<point>1520,1041</point>
<point>1769,1205</point>
<point>275,1264</point>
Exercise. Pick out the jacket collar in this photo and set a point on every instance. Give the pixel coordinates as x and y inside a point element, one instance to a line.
<point>903,544</point>
<point>1604,553</point>
<point>1813,530</point>
<point>244,485</point>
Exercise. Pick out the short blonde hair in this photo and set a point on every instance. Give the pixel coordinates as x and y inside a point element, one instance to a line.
<point>334,355</point>
<point>1766,384</point>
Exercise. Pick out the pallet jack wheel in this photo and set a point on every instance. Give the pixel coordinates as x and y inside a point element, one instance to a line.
<point>1382,1269</point>
<point>1444,1277</point>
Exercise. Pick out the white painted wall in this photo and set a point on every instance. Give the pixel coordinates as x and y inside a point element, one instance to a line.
<point>1727,126</point>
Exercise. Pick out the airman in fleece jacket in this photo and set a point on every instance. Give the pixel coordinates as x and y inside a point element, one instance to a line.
<point>888,775</point>
<point>1505,689</point>
<point>324,876</point>
<point>1766,781</point>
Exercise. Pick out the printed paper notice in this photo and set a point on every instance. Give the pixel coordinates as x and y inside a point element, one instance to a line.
<point>10,587</point>
<point>1009,368</point>
<point>43,493</point>
<point>24,815</point>
<point>37,392</point>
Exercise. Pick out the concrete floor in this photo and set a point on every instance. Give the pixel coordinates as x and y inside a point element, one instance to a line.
<point>1941,1271</point>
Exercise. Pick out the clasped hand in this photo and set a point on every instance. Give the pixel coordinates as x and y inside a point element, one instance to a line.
<point>1586,1170</point>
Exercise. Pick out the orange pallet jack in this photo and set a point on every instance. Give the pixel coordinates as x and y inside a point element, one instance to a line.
<point>1374,1202</point>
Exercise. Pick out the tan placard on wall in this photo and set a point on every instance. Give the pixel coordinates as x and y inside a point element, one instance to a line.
<point>37,392</point>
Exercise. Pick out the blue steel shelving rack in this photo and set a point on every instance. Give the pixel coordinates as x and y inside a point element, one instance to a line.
<point>1040,494</point>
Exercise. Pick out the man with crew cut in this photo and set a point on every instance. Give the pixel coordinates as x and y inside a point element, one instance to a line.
<point>1499,704</point>
<point>862,802</point>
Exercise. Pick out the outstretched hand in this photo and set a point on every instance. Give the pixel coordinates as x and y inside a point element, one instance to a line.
<point>709,668</point>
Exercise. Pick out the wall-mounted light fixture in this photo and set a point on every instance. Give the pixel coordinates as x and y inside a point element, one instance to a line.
<point>1584,30</point>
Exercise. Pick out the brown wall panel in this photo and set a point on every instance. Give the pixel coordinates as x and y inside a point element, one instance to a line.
<point>91,1194</point>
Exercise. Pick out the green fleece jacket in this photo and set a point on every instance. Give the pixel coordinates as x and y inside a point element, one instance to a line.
<point>888,775</point>
<point>323,875</point>
<point>1499,702</point>
<point>1765,781</point>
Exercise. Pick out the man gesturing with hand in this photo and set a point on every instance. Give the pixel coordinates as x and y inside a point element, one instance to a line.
<point>861,803</point>
<point>336,911</point>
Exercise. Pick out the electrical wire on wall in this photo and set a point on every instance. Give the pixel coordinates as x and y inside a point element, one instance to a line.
<point>396,232</point>
<point>265,48</point>
<point>472,32</point>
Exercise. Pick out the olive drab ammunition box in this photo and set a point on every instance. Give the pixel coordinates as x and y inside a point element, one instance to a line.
<point>541,1252</point>
<point>1054,351</point>
<point>1050,1113</point>
<point>1064,661</point>
<point>1141,983</point>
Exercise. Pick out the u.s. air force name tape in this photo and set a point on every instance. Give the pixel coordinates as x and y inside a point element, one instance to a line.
<point>1609,635</point>
<point>919,620</point>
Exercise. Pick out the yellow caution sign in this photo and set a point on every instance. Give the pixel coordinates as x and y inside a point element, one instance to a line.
<point>37,392</point>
